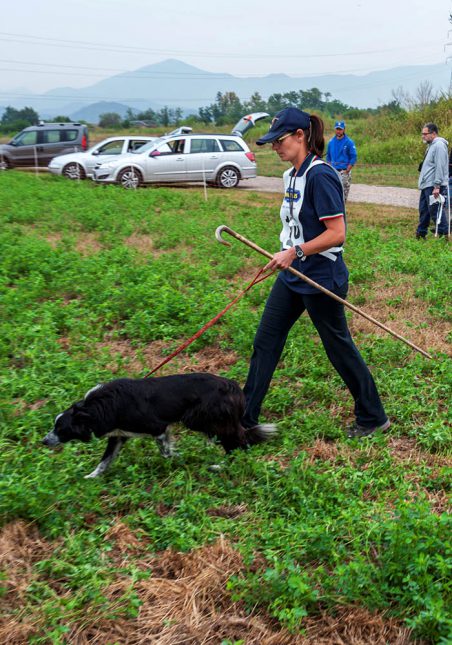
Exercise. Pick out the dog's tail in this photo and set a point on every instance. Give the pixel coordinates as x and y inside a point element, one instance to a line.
<point>260,433</point>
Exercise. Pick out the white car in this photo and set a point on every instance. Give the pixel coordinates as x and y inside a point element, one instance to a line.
<point>79,165</point>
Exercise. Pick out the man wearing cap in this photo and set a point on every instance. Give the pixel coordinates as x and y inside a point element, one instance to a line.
<point>341,154</point>
<point>313,232</point>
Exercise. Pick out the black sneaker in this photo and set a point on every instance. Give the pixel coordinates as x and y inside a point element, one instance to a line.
<point>355,430</point>
<point>420,237</point>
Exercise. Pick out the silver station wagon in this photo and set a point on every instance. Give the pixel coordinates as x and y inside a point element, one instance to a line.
<point>219,159</point>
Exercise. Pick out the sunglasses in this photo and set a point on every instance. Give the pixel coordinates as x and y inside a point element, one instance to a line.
<point>281,139</point>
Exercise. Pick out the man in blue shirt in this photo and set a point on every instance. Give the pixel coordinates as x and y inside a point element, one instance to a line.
<point>341,154</point>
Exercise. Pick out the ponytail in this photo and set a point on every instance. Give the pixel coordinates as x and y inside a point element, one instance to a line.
<point>315,135</point>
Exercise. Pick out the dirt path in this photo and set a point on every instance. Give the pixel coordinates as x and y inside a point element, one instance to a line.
<point>358,192</point>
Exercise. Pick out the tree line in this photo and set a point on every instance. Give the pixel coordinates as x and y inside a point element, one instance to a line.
<point>228,109</point>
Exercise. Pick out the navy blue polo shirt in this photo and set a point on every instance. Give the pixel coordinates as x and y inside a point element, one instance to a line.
<point>310,199</point>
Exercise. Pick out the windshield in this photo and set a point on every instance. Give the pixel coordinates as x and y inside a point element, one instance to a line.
<point>147,146</point>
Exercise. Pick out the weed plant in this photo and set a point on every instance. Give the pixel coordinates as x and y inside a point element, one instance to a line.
<point>84,269</point>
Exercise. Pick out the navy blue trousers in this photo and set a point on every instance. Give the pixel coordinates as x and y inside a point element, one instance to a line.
<point>283,308</point>
<point>427,212</point>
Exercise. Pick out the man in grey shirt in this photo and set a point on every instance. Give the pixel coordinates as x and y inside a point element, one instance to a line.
<point>433,181</point>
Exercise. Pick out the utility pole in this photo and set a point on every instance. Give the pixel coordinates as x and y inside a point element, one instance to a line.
<point>448,44</point>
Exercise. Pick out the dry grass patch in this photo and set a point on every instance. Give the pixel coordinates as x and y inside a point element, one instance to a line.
<point>355,626</point>
<point>398,308</point>
<point>88,244</point>
<point>439,501</point>
<point>142,243</point>
<point>145,244</point>
<point>54,239</point>
<point>406,451</point>
<point>248,272</point>
<point>230,512</point>
<point>184,601</point>
<point>323,451</point>
<point>140,361</point>
<point>337,453</point>
<point>21,406</point>
<point>21,547</point>
<point>136,361</point>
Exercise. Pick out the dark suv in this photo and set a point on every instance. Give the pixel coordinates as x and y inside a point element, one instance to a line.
<point>38,144</point>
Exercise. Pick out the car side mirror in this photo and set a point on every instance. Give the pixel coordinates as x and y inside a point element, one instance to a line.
<point>95,152</point>
<point>12,143</point>
<point>155,153</point>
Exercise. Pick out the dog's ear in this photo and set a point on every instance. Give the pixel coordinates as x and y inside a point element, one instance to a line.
<point>81,426</point>
<point>82,416</point>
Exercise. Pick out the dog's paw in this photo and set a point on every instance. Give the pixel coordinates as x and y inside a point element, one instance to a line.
<point>166,445</point>
<point>215,468</point>
<point>92,475</point>
<point>169,453</point>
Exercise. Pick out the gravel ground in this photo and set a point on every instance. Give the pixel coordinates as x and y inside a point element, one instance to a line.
<point>358,192</point>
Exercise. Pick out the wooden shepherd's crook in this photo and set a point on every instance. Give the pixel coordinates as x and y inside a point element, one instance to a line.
<point>225,229</point>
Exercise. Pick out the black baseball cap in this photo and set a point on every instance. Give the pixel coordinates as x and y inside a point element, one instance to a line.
<point>288,120</point>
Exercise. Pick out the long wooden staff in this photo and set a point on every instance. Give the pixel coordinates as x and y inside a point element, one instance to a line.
<point>225,229</point>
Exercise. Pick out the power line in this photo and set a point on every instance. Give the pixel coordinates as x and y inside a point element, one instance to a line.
<point>175,77</point>
<point>125,71</point>
<point>81,44</point>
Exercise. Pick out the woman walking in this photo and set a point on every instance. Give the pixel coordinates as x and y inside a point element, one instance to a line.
<point>313,231</point>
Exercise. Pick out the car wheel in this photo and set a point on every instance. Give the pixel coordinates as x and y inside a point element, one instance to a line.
<point>4,164</point>
<point>130,178</point>
<point>228,177</point>
<point>74,171</point>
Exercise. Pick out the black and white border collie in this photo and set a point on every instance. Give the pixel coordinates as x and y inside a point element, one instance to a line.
<point>126,408</point>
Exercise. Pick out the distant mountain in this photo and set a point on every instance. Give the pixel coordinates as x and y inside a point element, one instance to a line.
<point>177,84</point>
<point>91,113</point>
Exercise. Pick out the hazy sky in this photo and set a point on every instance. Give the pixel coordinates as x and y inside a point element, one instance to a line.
<point>54,43</point>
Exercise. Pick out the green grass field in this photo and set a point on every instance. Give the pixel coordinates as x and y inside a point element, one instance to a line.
<point>310,539</point>
<point>384,162</point>
<point>404,175</point>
